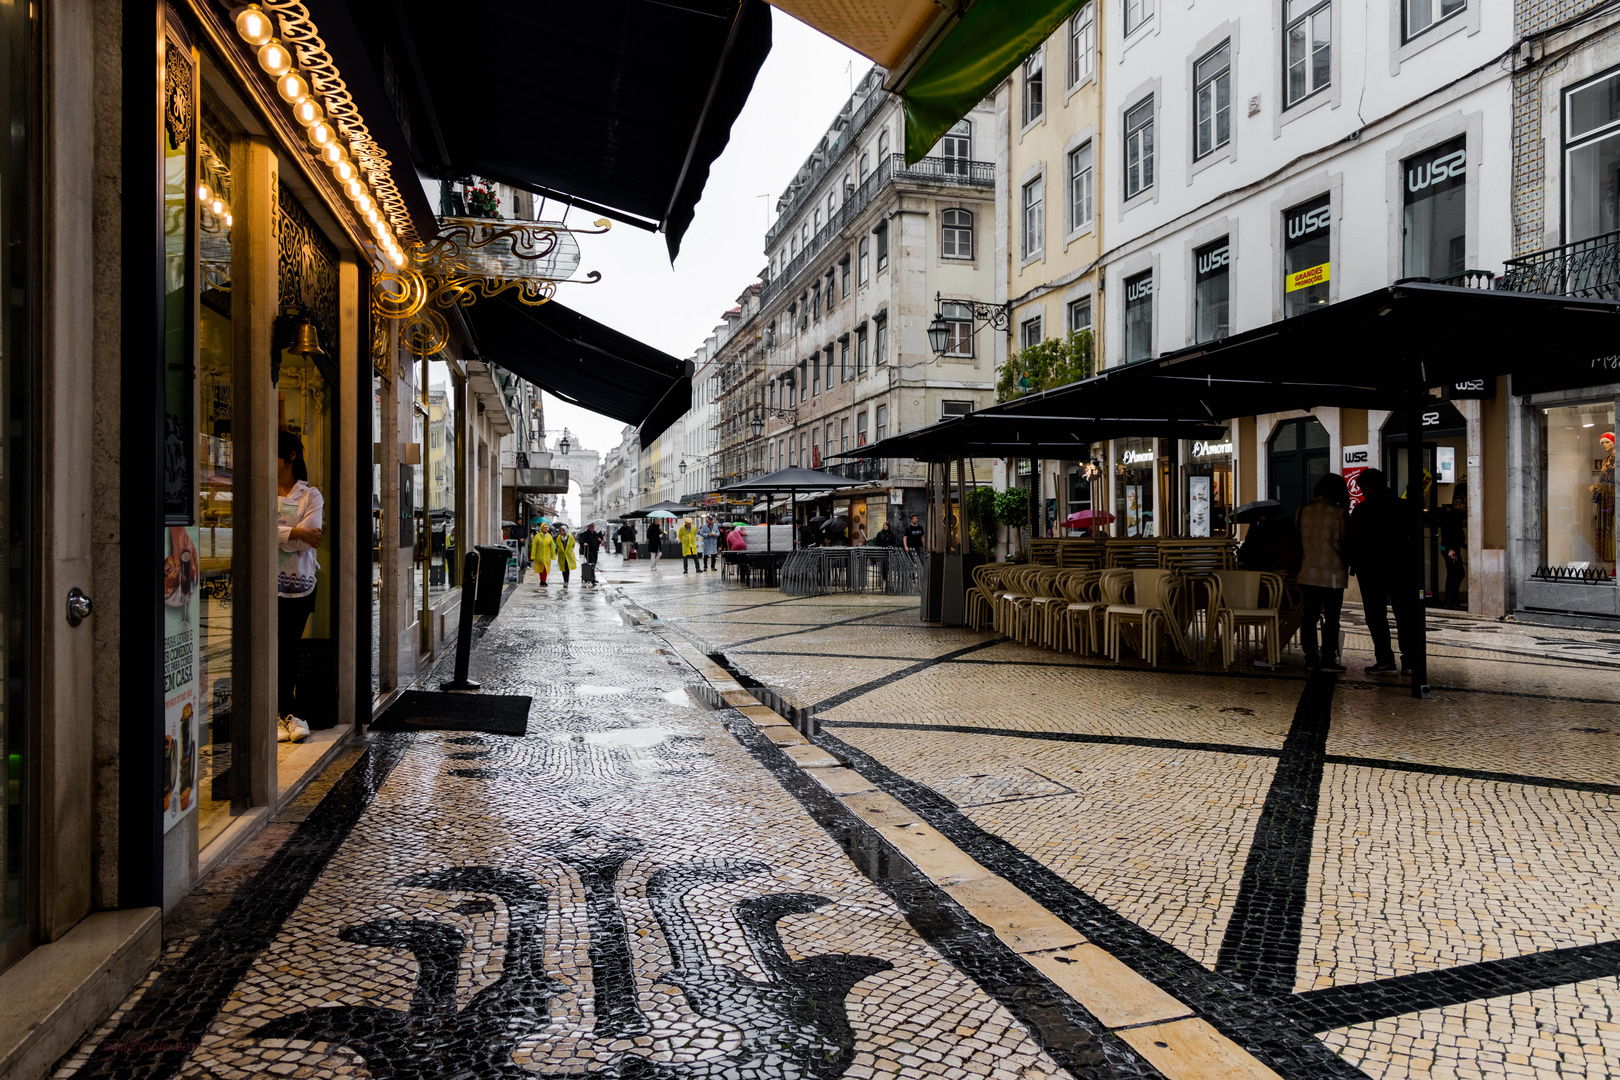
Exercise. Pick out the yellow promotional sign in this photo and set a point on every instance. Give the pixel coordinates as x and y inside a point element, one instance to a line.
<point>1304,279</point>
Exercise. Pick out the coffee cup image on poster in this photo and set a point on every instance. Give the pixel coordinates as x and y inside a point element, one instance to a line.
<point>180,673</point>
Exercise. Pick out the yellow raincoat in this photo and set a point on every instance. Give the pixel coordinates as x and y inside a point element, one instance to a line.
<point>688,538</point>
<point>540,551</point>
<point>563,544</point>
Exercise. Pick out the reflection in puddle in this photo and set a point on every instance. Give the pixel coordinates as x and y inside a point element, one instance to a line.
<point>599,691</point>
<point>627,738</point>
<point>677,697</point>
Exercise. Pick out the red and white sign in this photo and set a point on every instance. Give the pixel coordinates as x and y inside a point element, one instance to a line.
<point>1356,462</point>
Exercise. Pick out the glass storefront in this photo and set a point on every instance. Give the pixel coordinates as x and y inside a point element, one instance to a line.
<point>1208,491</point>
<point>1578,484</point>
<point>1135,467</point>
<point>440,478</point>
<point>15,472</point>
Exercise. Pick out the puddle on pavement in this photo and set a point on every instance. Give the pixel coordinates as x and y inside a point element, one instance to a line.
<point>599,691</point>
<point>677,697</point>
<point>624,739</point>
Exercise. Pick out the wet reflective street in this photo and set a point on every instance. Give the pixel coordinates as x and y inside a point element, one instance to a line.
<point>759,837</point>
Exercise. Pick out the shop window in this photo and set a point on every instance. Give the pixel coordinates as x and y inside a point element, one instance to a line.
<point>1592,158</point>
<point>1212,101</point>
<point>1578,518</point>
<point>1082,43</point>
<point>956,234</point>
<point>1307,247</point>
<point>1307,49</point>
<point>1209,490</point>
<point>1212,290</point>
<point>1034,214</point>
<point>956,148</point>
<point>1139,148</point>
<point>1133,486</point>
<point>1298,459</point>
<point>1434,221</point>
<point>1034,86</point>
<point>1139,317</point>
<point>1082,187</point>
<point>1420,15</point>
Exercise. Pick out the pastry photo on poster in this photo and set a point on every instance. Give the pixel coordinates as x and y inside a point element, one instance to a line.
<point>180,664</point>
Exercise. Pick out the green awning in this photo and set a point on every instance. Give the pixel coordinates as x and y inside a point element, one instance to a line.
<point>989,42</point>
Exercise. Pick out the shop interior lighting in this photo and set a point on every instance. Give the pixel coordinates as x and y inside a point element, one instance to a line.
<point>274,58</point>
<point>254,25</point>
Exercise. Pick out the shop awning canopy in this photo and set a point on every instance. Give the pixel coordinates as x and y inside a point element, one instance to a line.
<point>942,59</point>
<point>790,479</point>
<point>1381,350</point>
<point>1057,438</point>
<point>583,362</point>
<point>617,107</point>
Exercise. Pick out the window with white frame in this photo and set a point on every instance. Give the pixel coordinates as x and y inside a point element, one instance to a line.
<point>866,165</point>
<point>1083,43</point>
<point>1082,186</point>
<point>882,234</point>
<point>1034,217</point>
<point>860,428</point>
<point>830,205</point>
<point>949,408</point>
<point>1139,317</point>
<point>1034,86</point>
<point>817,220</point>
<point>959,325</point>
<point>1434,220</point>
<point>843,434</point>
<point>1139,147</point>
<point>1031,332</point>
<point>1137,12</point>
<point>956,234</point>
<point>882,422</point>
<point>880,340</point>
<point>1592,158</point>
<point>860,351</point>
<point>883,146</point>
<point>1080,314</point>
<point>1212,278</point>
<point>843,359</point>
<point>1307,49</point>
<point>863,263</point>
<point>843,274</point>
<point>1212,101</point>
<point>1422,14</point>
<point>956,148</point>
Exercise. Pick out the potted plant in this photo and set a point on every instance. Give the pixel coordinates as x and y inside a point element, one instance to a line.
<point>1012,510</point>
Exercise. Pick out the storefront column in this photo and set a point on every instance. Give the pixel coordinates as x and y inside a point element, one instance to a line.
<point>253,438</point>
<point>354,400</point>
<point>387,452</point>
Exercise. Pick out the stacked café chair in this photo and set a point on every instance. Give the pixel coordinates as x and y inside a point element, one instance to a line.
<point>982,596</point>
<point>1078,623</point>
<point>1248,601</point>
<point>1147,607</point>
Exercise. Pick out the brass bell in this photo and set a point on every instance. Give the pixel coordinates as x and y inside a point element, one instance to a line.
<point>307,341</point>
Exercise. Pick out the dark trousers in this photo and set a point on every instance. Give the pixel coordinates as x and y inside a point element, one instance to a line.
<point>685,556</point>
<point>1324,604</point>
<point>1456,571</point>
<point>1381,595</point>
<point>292,615</point>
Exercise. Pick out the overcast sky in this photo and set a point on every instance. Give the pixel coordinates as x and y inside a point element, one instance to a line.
<point>804,82</point>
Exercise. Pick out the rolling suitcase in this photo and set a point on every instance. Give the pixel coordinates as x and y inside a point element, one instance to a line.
<point>587,573</point>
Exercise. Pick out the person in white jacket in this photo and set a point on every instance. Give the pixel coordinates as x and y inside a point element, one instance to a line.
<point>298,533</point>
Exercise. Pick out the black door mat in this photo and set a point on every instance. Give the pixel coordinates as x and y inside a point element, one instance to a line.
<point>427,710</point>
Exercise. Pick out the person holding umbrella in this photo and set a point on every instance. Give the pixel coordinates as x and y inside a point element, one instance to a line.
<point>655,539</point>
<point>1272,542</point>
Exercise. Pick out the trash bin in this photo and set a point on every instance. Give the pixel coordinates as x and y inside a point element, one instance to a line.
<point>491,579</point>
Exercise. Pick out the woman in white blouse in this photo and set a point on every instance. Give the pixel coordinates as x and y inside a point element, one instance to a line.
<point>298,533</point>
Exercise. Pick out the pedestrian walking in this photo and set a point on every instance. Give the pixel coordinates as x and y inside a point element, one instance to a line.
<point>299,511</point>
<point>590,545</point>
<point>541,547</point>
<point>1381,541</point>
<point>689,545</point>
<point>885,537</point>
<point>1322,524</point>
<point>567,553</point>
<point>709,534</point>
<point>655,542</point>
<point>627,541</point>
<point>808,535</point>
<point>914,537</point>
<point>1452,524</point>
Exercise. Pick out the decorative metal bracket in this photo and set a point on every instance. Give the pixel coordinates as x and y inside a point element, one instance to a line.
<point>995,316</point>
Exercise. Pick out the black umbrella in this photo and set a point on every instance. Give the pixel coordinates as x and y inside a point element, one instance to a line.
<point>1249,513</point>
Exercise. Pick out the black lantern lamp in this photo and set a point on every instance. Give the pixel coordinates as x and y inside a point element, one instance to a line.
<point>563,444</point>
<point>939,335</point>
<point>682,466</point>
<point>758,424</point>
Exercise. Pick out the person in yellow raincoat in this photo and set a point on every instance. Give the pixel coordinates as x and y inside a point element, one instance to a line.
<point>541,547</point>
<point>563,543</point>
<point>689,545</point>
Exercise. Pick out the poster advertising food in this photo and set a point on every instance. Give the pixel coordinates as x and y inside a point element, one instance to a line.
<point>180,673</point>
<point>1198,505</point>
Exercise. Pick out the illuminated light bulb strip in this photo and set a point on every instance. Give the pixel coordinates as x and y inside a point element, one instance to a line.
<point>304,72</point>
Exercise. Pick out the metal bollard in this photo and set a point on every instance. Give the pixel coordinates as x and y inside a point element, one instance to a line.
<point>469,589</point>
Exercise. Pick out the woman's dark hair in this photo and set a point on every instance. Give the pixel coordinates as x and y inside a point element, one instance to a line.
<point>290,447</point>
<point>1332,488</point>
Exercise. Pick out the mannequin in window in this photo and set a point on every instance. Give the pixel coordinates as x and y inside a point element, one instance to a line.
<point>1603,498</point>
<point>298,534</point>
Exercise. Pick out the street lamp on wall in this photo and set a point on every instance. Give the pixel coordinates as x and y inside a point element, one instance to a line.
<point>563,445</point>
<point>939,334</point>
<point>757,424</point>
<point>997,316</point>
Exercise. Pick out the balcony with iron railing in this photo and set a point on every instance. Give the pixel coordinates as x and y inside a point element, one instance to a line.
<point>846,135</point>
<point>867,470</point>
<point>957,172</point>
<point>1588,268</point>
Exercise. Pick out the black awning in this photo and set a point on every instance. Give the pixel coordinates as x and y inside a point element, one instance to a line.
<point>583,362</point>
<point>1380,350</point>
<point>1054,438</point>
<point>791,478</point>
<point>619,106</point>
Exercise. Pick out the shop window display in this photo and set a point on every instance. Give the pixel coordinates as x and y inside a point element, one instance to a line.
<point>1579,487</point>
<point>1209,487</point>
<point>440,551</point>
<point>1134,470</point>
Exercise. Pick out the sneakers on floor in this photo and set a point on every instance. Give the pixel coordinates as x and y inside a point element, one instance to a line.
<point>1331,667</point>
<point>291,729</point>
<point>1384,668</point>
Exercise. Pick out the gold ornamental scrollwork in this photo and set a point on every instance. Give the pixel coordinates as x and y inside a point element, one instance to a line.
<point>475,259</point>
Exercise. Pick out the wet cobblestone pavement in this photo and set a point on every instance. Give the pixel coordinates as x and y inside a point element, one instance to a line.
<point>757,837</point>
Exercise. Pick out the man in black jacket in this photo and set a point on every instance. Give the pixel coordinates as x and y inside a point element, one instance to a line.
<point>1381,543</point>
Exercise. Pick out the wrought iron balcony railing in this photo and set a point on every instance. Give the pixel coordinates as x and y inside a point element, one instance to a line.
<point>1589,268</point>
<point>864,469</point>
